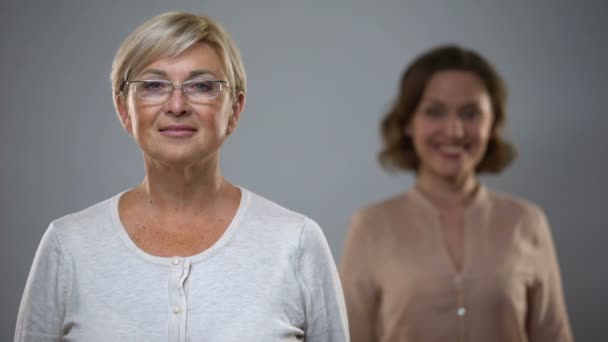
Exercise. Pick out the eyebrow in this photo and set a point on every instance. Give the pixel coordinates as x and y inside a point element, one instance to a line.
<point>471,105</point>
<point>195,73</point>
<point>436,102</point>
<point>432,101</point>
<point>192,74</point>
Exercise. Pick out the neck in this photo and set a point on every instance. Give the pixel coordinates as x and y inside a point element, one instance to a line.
<point>448,192</point>
<point>178,188</point>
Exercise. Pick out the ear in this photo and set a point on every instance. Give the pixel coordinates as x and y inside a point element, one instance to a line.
<point>237,108</point>
<point>123,113</point>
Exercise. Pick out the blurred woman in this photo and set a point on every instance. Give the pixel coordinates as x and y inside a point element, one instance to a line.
<point>185,255</point>
<point>451,260</point>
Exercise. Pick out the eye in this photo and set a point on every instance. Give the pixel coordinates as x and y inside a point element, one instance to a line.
<point>470,113</point>
<point>201,86</point>
<point>154,86</point>
<point>433,112</point>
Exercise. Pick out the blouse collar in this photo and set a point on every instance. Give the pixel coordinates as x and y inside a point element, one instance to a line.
<point>480,199</point>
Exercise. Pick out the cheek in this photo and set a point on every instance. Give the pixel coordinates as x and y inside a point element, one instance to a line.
<point>481,131</point>
<point>422,133</point>
<point>137,119</point>
<point>212,120</point>
<point>485,134</point>
<point>423,142</point>
<point>143,115</point>
<point>222,116</point>
<point>142,123</point>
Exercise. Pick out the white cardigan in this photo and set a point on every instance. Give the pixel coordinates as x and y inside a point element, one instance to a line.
<point>270,277</point>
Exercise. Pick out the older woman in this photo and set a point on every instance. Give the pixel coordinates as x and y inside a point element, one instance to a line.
<point>185,255</point>
<point>451,260</point>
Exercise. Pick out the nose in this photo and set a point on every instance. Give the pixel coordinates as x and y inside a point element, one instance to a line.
<point>454,126</point>
<point>177,105</point>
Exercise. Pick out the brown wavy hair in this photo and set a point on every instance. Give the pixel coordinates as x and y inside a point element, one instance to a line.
<point>398,152</point>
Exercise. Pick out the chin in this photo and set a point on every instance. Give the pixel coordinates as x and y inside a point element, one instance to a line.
<point>175,158</point>
<point>453,172</point>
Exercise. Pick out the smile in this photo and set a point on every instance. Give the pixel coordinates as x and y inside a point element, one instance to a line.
<point>452,151</point>
<point>178,131</point>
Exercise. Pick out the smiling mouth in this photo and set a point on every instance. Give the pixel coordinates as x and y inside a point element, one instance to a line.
<point>178,131</point>
<point>452,151</point>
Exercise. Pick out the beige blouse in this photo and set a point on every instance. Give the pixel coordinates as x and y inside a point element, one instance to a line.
<point>400,283</point>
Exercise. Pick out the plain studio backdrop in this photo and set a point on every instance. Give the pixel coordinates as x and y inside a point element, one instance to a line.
<point>321,74</point>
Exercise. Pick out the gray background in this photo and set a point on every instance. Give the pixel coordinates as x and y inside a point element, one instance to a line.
<point>321,74</point>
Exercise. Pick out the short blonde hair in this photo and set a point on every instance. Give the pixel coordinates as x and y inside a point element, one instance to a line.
<point>168,35</point>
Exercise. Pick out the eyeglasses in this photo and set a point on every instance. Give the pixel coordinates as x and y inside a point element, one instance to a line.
<point>195,91</point>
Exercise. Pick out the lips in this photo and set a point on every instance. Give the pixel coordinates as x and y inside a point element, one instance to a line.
<point>452,151</point>
<point>177,130</point>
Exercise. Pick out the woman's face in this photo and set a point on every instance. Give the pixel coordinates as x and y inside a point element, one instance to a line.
<point>178,130</point>
<point>452,124</point>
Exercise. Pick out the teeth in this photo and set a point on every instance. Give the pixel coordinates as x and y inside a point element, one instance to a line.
<point>451,149</point>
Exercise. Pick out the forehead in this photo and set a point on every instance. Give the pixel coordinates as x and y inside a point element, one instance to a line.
<point>455,84</point>
<point>199,59</point>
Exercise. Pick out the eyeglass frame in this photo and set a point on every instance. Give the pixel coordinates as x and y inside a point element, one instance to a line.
<point>179,86</point>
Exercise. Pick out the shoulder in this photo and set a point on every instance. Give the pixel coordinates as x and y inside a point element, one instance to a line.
<point>280,225</point>
<point>376,219</point>
<point>378,211</point>
<point>267,212</point>
<point>515,206</point>
<point>527,219</point>
<point>282,230</point>
<point>73,232</point>
<point>90,223</point>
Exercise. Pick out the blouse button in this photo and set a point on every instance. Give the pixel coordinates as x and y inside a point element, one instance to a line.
<point>176,309</point>
<point>461,311</point>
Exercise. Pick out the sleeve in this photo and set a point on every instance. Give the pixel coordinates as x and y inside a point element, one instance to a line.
<point>360,290</point>
<point>324,306</point>
<point>42,308</point>
<point>547,316</point>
